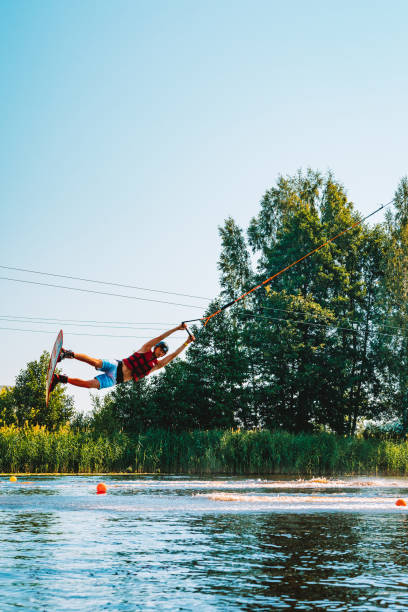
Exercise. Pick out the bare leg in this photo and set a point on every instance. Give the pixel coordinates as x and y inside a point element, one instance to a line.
<point>96,363</point>
<point>89,384</point>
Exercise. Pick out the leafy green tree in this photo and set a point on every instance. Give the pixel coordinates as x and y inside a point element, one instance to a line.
<point>218,363</point>
<point>7,406</point>
<point>126,409</point>
<point>318,369</point>
<point>234,262</point>
<point>174,395</point>
<point>395,291</point>
<point>29,397</point>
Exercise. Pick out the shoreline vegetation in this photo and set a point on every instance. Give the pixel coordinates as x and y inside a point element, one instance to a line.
<point>36,450</point>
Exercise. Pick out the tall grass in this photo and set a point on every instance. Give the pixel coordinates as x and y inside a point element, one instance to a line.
<point>34,449</point>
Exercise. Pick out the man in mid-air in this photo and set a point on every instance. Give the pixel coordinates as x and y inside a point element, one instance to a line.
<point>145,361</point>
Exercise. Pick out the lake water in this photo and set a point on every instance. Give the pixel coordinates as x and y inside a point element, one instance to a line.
<point>178,543</point>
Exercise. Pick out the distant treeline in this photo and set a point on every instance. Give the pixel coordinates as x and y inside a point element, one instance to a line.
<point>324,346</point>
<point>36,449</point>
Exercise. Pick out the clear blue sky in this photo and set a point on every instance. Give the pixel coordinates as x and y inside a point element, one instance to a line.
<point>130,130</point>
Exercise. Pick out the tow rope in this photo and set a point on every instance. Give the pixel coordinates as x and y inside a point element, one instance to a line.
<point>268,280</point>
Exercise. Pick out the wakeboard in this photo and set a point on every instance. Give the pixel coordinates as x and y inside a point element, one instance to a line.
<point>53,363</point>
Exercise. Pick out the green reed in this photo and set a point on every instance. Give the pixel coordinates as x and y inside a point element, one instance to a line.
<point>35,449</point>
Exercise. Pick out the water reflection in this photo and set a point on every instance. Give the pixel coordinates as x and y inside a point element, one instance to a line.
<point>304,561</point>
<point>259,561</point>
<point>28,523</point>
<point>33,490</point>
<point>27,542</point>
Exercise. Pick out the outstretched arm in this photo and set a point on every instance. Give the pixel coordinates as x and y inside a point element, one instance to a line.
<point>163,362</point>
<point>151,343</point>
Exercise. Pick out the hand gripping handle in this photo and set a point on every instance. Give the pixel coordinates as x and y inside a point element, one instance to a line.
<point>189,332</point>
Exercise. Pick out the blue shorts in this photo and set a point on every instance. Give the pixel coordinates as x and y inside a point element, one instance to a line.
<point>108,379</point>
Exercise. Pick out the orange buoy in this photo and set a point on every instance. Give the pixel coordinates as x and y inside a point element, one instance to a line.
<point>13,479</point>
<point>101,488</point>
<point>400,502</point>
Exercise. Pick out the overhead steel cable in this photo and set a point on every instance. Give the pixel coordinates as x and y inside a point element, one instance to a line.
<point>295,312</point>
<point>55,320</point>
<point>262,308</point>
<point>99,282</point>
<point>32,321</point>
<point>294,321</point>
<point>128,297</point>
<point>268,280</point>
<point>46,331</point>
<point>320,325</point>
<point>316,315</point>
<point>100,324</point>
<point>132,324</point>
<point>247,315</point>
